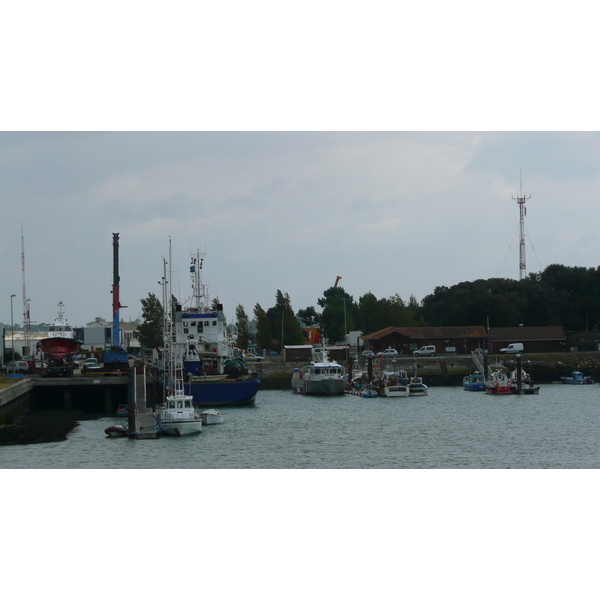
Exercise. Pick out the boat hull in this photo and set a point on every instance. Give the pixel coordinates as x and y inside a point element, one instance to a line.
<point>60,348</point>
<point>230,392</point>
<point>474,387</point>
<point>212,417</point>
<point>319,387</point>
<point>501,390</point>
<point>116,431</point>
<point>180,427</point>
<point>220,393</point>
<point>396,391</point>
<point>417,391</point>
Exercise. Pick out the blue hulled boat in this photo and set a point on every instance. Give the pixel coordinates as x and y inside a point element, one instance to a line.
<point>214,371</point>
<point>475,382</point>
<point>577,378</point>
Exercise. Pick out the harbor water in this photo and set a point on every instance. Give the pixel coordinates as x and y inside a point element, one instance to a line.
<point>448,429</point>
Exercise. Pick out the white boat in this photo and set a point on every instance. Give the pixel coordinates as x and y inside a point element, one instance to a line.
<point>416,387</point>
<point>177,416</point>
<point>211,416</point>
<point>398,390</point>
<point>319,378</point>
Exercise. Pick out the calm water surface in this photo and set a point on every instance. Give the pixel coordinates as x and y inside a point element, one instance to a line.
<point>448,429</point>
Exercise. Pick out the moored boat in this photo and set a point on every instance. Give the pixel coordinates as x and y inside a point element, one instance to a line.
<point>319,378</point>
<point>212,417</point>
<point>397,390</point>
<point>178,416</point>
<point>416,387</point>
<point>500,384</point>
<point>474,382</point>
<point>577,378</point>
<point>116,431</point>
<point>215,373</point>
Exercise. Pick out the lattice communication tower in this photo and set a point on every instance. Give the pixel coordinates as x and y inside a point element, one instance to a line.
<point>522,211</point>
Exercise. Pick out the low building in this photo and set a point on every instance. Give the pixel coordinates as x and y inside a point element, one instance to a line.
<point>534,339</point>
<point>294,353</point>
<point>447,340</point>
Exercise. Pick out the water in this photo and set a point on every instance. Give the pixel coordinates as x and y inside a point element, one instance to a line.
<point>448,429</point>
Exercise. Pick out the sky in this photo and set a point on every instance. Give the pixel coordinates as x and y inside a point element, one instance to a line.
<point>389,212</point>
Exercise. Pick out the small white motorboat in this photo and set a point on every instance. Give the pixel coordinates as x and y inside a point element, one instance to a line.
<point>212,417</point>
<point>417,387</point>
<point>398,390</point>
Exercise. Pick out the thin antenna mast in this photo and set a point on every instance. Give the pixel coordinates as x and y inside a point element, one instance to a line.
<point>522,212</point>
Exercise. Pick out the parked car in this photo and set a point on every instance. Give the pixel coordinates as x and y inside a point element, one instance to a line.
<point>425,351</point>
<point>19,366</point>
<point>253,358</point>
<point>368,353</point>
<point>388,353</point>
<point>512,349</point>
<point>91,364</point>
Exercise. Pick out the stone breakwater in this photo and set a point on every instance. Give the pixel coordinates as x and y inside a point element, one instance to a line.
<point>450,370</point>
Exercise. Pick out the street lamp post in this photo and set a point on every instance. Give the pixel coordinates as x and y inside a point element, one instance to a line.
<point>12,329</point>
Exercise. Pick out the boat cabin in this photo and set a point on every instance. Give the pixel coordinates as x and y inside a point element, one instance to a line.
<point>179,403</point>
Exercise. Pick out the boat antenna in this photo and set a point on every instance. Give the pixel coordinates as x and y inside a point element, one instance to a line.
<point>522,212</point>
<point>25,299</point>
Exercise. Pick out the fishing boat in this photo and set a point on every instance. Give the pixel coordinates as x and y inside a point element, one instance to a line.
<point>394,383</point>
<point>177,414</point>
<point>215,372</point>
<point>61,342</point>
<point>323,378</point>
<point>397,390</point>
<point>577,378</point>
<point>416,387</point>
<point>474,382</point>
<point>499,384</point>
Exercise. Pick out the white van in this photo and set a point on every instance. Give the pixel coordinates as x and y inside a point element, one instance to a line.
<point>512,349</point>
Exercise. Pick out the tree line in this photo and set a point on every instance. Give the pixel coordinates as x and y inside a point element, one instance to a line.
<point>558,295</point>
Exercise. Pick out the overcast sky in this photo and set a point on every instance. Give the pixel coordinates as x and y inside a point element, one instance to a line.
<point>391,213</point>
<point>292,146</point>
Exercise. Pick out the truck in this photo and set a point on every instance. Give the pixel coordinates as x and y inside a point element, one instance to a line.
<point>58,368</point>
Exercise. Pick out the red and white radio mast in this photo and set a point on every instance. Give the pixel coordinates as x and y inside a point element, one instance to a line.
<point>523,211</point>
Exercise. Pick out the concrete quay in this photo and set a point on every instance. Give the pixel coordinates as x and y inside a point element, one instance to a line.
<point>91,394</point>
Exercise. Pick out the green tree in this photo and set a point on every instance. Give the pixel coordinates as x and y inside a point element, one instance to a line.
<point>286,323</point>
<point>264,335</point>
<point>151,330</point>
<point>338,313</point>
<point>243,328</point>
<point>309,316</point>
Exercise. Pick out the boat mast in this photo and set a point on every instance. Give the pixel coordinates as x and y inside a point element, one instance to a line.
<point>25,299</point>
<point>522,212</point>
<point>198,288</point>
